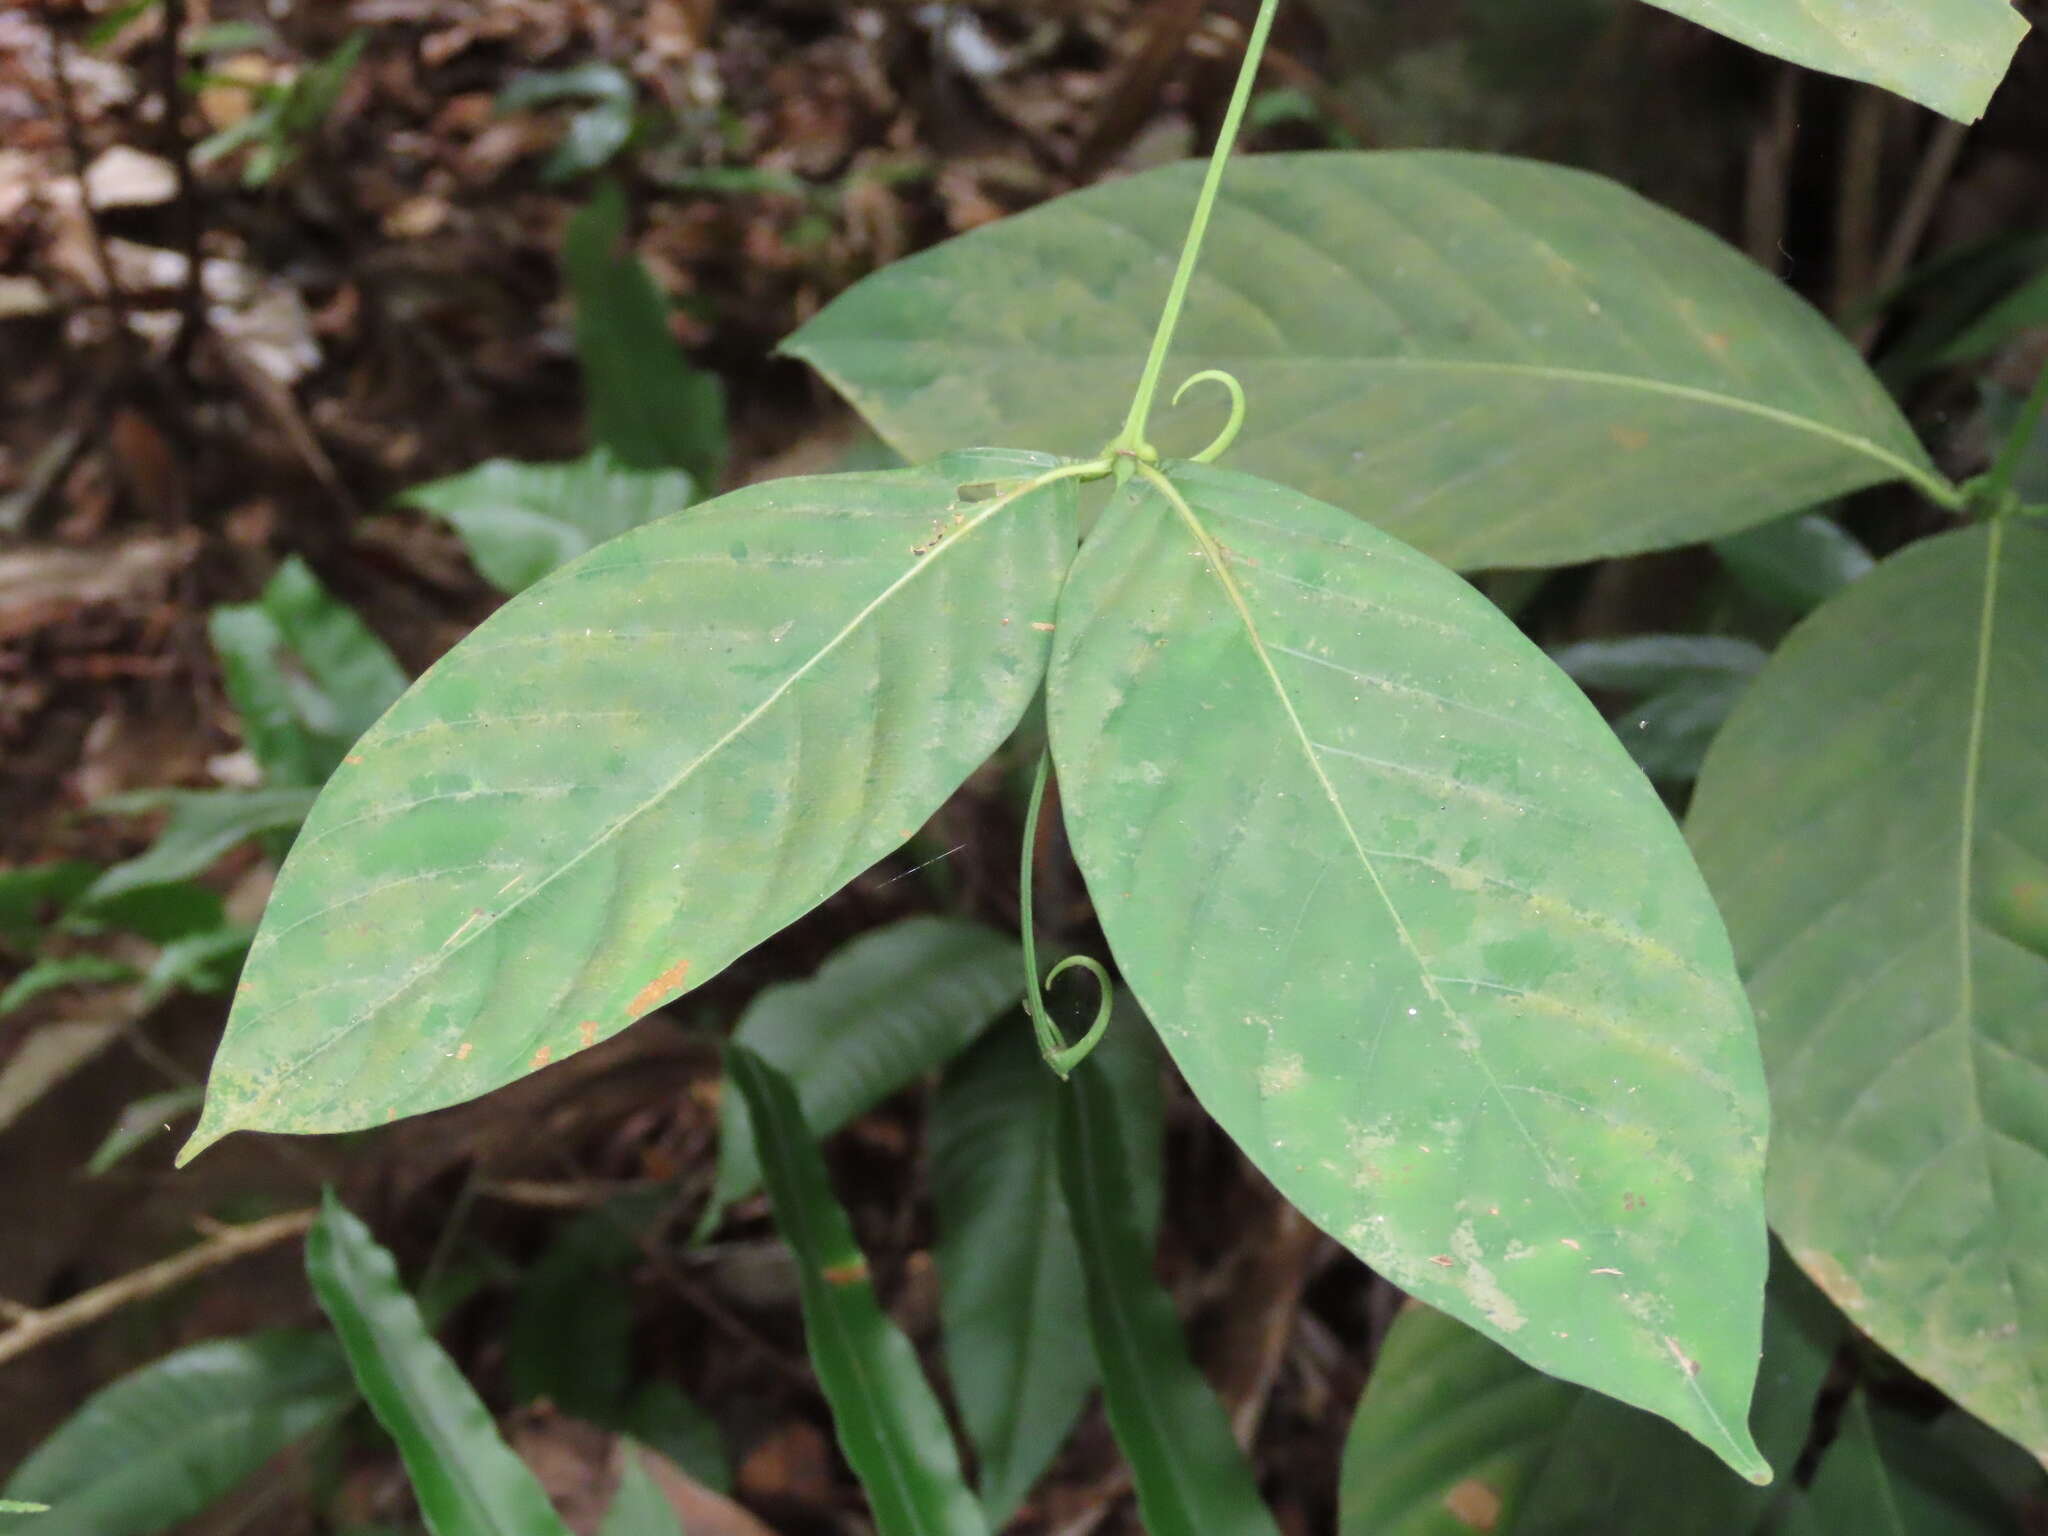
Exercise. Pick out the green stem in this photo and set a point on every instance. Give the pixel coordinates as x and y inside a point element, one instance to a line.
<point>1059,1055</point>
<point>1132,439</point>
<point>1996,488</point>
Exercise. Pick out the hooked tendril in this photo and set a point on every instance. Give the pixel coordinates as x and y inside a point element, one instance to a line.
<point>1052,1045</point>
<point>1232,427</point>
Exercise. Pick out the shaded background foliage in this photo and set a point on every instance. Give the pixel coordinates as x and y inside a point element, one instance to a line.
<point>386,305</point>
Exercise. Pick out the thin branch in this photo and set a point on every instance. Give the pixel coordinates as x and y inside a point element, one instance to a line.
<point>34,1327</point>
<point>1930,180</point>
<point>178,150</point>
<point>74,143</point>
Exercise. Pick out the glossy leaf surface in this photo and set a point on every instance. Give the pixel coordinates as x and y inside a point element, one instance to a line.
<point>1945,54</point>
<point>1010,1279</point>
<point>467,1480</point>
<point>1501,362</point>
<point>890,1425</point>
<point>889,1007</point>
<point>1191,1478</point>
<point>633,772</point>
<point>1873,825</point>
<point>161,1444</point>
<point>521,521</point>
<point>1419,936</point>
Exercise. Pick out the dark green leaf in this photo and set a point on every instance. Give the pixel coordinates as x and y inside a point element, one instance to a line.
<point>198,962</point>
<point>646,403</point>
<point>1885,1475</point>
<point>1502,363</point>
<point>2022,310</point>
<point>520,521</point>
<point>203,825</point>
<point>467,1480</point>
<point>662,1418</point>
<point>1009,1275</point>
<point>1945,54</point>
<point>1796,563</point>
<point>890,1425</point>
<point>883,1011</point>
<point>1419,936</point>
<point>1642,664</point>
<point>1191,1478</point>
<point>163,914</point>
<point>1872,822</point>
<point>31,896</point>
<point>161,1444</point>
<point>571,1333</point>
<point>1668,733</point>
<point>561,828</point>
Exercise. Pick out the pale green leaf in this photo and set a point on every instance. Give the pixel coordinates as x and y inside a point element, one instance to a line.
<point>48,975</point>
<point>203,825</point>
<point>1501,362</point>
<point>1419,936</point>
<point>886,1009</point>
<point>890,1425</point>
<point>467,1480</point>
<point>633,772</point>
<point>639,1508</point>
<point>1191,1478</point>
<point>1796,563</point>
<point>141,1121</point>
<point>1873,826</point>
<point>520,521</point>
<point>161,1444</point>
<point>1945,54</point>
<point>1010,1277</point>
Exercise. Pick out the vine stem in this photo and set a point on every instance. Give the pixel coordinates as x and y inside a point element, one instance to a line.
<point>1996,486</point>
<point>1131,440</point>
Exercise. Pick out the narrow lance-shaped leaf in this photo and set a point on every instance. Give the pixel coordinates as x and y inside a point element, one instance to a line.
<point>1873,824</point>
<point>1191,1478</point>
<point>890,1425</point>
<point>1502,363</point>
<point>466,1478</point>
<point>161,1444</point>
<point>1419,936</point>
<point>884,1010</point>
<point>1945,54</point>
<point>633,772</point>
<point>1010,1278</point>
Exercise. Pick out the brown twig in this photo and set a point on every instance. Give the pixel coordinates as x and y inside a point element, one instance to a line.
<point>37,1326</point>
<point>74,144</point>
<point>1930,180</point>
<point>1770,169</point>
<point>1133,93</point>
<point>1856,202</point>
<point>177,149</point>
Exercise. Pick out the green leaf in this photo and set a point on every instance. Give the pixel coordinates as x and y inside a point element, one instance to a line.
<point>1419,936</point>
<point>198,962</point>
<point>305,674</point>
<point>1945,54</point>
<point>1450,1432</point>
<point>1690,682</point>
<point>1796,563</point>
<point>890,1426</point>
<point>163,914</point>
<point>1885,1475</point>
<point>662,1418</point>
<point>1454,1434</point>
<point>646,403</point>
<point>639,1508</point>
<point>593,136</point>
<point>466,1479</point>
<point>162,1443</point>
<point>560,828</point>
<point>61,971</point>
<point>202,826</point>
<point>571,1333</point>
<point>141,1122</point>
<point>594,81</point>
<point>32,895</point>
<point>1009,1273</point>
<point>883,1011</point>
<point>2020,311</point>
<point>1191,1478</point>
<point>520,521</point>
<point>1872,823</point>
<point>1502,363</point>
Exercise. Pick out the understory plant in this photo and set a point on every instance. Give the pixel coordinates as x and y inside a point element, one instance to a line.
<point>1413,926</point>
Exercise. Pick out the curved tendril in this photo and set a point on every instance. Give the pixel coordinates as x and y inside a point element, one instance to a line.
<point>1052,1045</point>
<point>1231,427</point>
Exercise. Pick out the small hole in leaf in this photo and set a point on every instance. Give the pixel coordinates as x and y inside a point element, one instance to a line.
<point>979,490</point>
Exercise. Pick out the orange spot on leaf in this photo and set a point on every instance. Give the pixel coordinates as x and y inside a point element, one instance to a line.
<point>462,1051</point>
<point>1473,1504</point>
<point>587,1033</point>
<point>657,991</point>
<point>846,1274</point>
<point>541,1058</point>
<point>1633,439</point>
<point>351,758</point>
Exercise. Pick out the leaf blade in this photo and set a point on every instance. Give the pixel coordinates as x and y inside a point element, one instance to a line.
<point>654,821</point>
<point>890,1425</point>
<point>1470,849</point>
